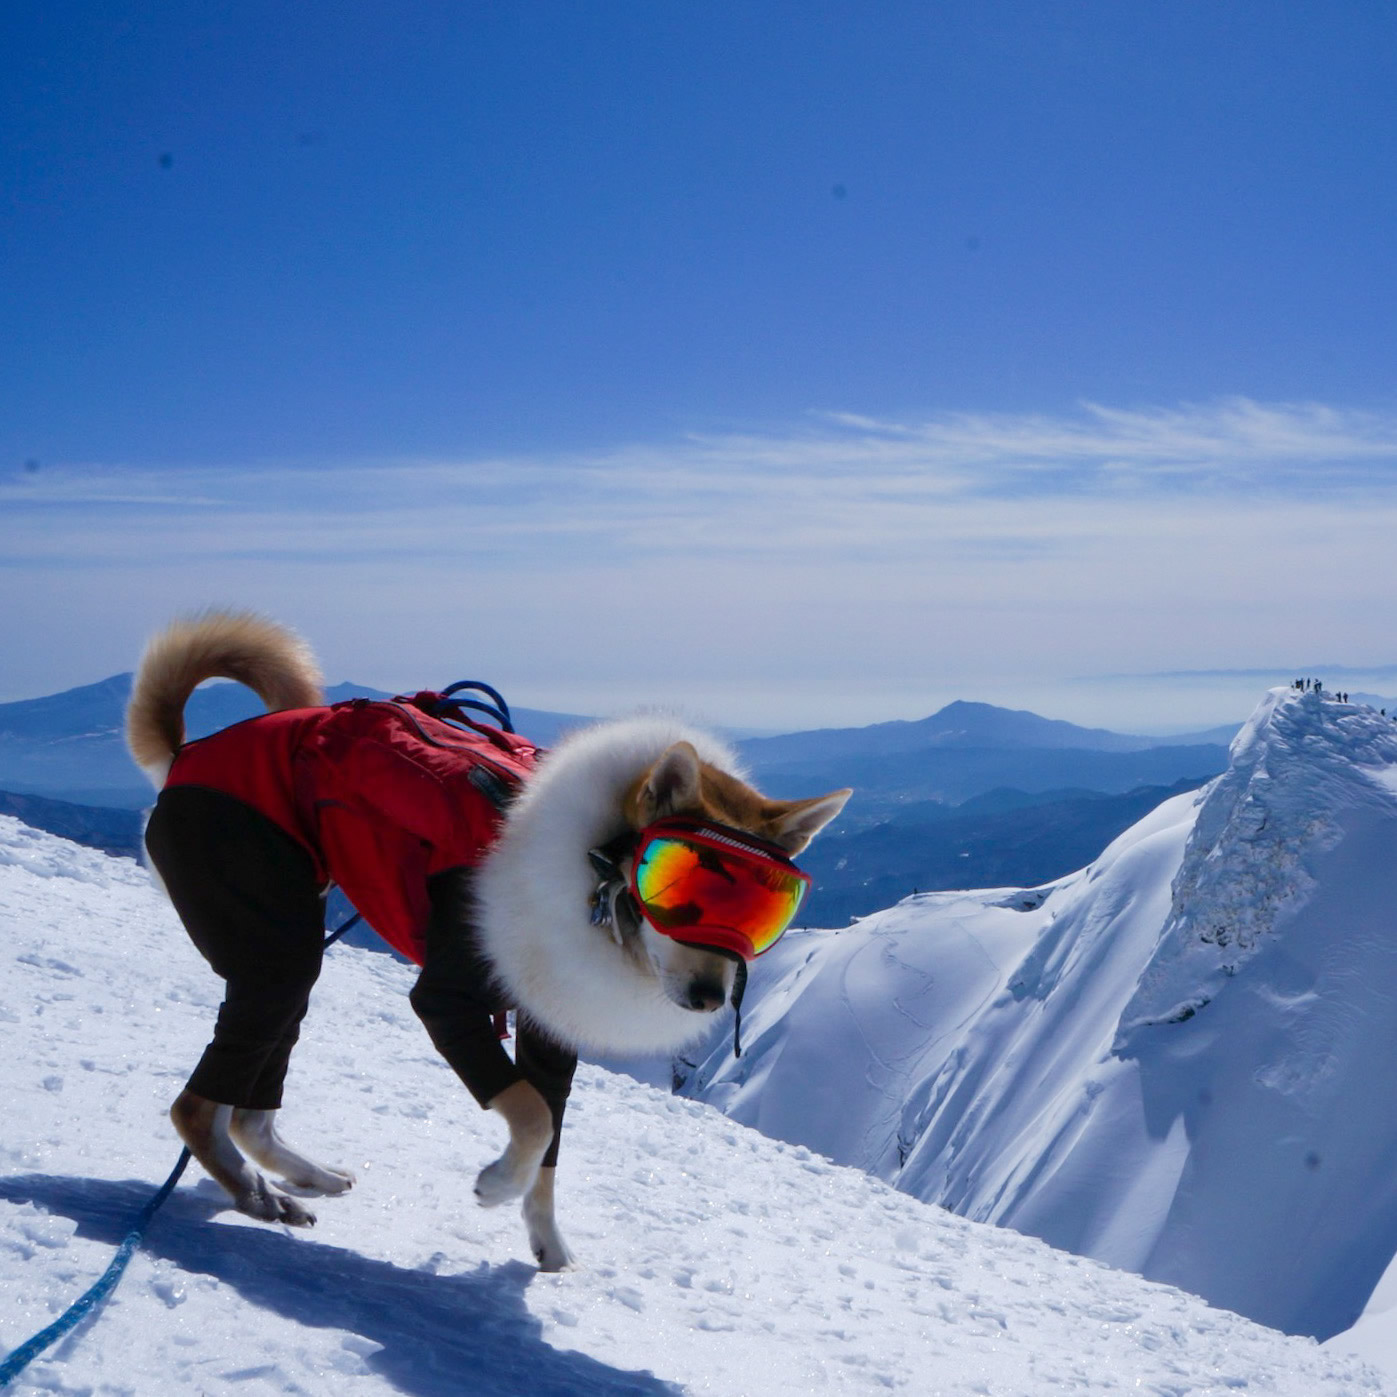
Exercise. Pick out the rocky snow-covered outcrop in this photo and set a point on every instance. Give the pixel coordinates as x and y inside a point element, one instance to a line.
<point>1180,1060</point>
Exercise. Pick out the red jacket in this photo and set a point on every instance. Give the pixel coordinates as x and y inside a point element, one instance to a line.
<point>381,795</point>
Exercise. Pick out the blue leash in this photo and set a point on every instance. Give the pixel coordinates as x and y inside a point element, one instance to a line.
<point>19,1359</point>
<point>25,1354</point>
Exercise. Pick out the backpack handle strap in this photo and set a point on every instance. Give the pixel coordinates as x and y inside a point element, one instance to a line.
<point>497,708</point>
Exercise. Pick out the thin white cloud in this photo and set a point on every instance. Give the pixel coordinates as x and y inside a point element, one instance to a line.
<point>1229,429</point>
<point>1032,484</point>
<point>847,469</point>
<point>1098,541</point>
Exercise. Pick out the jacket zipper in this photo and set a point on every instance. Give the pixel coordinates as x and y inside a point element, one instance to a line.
<point>501,773</point>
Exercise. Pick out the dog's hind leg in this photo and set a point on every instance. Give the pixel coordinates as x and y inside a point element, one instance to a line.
<point>545,1241</point>
<point>203,1125</point>
<point>256,1134</point>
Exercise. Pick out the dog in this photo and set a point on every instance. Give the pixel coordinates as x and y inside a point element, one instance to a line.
<point>581,976</point>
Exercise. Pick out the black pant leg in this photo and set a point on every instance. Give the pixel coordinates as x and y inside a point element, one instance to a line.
<point>455,996</point>
<point>246,893</point>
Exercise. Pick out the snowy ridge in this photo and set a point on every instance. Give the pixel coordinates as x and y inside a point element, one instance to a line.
<point>1295,767</point>
<point>715,1260</point>
<point>1166,1061</point>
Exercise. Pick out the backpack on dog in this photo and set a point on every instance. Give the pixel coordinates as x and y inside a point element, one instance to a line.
<point>383,794</point>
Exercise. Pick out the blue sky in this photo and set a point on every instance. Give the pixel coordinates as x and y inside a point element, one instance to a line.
<point>794,363</point>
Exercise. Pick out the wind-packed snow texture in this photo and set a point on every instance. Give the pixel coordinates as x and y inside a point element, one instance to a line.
<point>1180,1061</point>
<point>714,1260</point>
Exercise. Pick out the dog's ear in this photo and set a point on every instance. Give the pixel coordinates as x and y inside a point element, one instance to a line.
<point>671,785</point>
<point>802,820</point>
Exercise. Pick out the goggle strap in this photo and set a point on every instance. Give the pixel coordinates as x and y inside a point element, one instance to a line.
<point>741,840</point>
<point>739,988</point>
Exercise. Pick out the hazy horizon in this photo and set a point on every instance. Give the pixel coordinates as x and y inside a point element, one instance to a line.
<point>1162,705</point>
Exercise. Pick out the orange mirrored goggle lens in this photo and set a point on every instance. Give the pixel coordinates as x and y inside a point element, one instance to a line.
<point>702,885</point>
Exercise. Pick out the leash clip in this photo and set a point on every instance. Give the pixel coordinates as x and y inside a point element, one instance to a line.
<point>604,895</point>
<point>601,908</point>
<point>606,861</point>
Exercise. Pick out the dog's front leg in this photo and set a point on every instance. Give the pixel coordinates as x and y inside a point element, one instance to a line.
<point>545,1241</point>
<point>530,1132</point>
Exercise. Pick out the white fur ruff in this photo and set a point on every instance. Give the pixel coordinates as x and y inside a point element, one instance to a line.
<point>534,892</point>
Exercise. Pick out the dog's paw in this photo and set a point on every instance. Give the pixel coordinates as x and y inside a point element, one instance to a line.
<point>511,1176</point>
<point>267,1203</point>
<point>336,1180</point>
<point>553,1254</point>
<point>256,1135</point>
<point>320,1178</point>
<point>545,1241</point>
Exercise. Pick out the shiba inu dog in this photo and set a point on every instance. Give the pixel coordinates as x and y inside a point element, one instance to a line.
<point>612,897</point>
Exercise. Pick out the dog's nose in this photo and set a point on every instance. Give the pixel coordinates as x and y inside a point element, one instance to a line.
<point>706,995</point>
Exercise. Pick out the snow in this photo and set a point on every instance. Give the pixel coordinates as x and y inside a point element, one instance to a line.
<point>1168,1062</point>
<point>714,1260</point>
<point>1374,1337</point>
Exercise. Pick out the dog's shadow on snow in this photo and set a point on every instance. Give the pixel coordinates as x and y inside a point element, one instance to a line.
<point>441,1334</point>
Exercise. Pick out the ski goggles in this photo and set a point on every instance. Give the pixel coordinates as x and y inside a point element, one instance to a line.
<point>715,886</point>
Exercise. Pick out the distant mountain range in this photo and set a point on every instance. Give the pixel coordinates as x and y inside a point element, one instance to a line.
<point>972,796</point>
<point>967,749</point>
<point>962,725</point>
<point>69,746</point>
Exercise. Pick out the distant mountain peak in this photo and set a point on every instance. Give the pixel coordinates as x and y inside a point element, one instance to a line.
<point>968,720</point>
<point>72,713</point>
<point>963,723</point>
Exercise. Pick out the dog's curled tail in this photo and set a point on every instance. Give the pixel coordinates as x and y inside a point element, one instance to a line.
<point>272,661</point>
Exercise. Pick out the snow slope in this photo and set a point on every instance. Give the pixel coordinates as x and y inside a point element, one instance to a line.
<point>1179,1061</point>
<point>1374,1337</point>
<point>714,1260</point>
